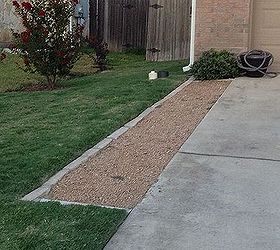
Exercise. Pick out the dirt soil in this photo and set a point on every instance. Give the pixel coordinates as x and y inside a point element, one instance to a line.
<point>122,173</point>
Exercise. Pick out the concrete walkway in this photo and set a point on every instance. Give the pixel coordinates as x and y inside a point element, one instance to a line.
<point>222,190</point>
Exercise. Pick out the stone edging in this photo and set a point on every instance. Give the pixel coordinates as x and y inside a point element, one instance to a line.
<point>67,203</point>
<point>36,194</point>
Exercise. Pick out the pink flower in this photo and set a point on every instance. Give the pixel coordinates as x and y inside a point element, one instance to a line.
<point>27,5</point>
<point>41,13</point>
<point>16,4</point>
<point>25,36</point>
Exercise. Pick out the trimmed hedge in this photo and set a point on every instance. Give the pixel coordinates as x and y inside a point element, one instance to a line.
<point>215,64</point>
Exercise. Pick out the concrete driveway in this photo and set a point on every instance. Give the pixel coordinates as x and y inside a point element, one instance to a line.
<point>222,190</point>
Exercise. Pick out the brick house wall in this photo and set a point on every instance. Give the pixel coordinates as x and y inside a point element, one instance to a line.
<point>222,24</point>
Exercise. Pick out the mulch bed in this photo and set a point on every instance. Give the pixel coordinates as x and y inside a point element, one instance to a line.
<point>121,174</point>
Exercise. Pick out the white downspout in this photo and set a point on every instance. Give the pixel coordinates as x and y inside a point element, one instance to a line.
<point>192,45</point>
<point>70,24</point>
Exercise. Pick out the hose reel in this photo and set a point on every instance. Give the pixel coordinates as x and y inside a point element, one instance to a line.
<point>255,63</point>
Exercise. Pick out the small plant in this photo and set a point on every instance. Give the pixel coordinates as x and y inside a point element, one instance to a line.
<point>100,54</point>
<point>47,44</point>
<point>136,51</point>
<point>215,65</point>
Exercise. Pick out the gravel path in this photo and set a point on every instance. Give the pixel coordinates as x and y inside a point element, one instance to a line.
<point>121,174</point>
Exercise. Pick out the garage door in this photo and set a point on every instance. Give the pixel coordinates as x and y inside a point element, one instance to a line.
<point>266,28</point>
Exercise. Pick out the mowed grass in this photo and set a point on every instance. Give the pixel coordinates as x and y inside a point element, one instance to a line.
<point>12,75</point>
<point>41,132</point>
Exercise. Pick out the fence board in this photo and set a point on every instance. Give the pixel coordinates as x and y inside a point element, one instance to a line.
<point>135,23</point>
<point>168,30</point>
<point>120,23</point>
<point>96,18</point>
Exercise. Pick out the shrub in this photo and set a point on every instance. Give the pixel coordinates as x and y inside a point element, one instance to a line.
<point>136,51</point>
<point>215,65</point>
<point>46,44</point>
<point>100,54</point>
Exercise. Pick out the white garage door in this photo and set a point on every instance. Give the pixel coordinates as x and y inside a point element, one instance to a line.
<point>266,28</point>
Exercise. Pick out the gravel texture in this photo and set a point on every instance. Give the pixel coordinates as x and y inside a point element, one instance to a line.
<point>121,174</point>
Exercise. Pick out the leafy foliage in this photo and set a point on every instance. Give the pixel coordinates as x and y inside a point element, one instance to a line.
<point>100,54</point>
<point>215,65</point>
<point>47,45</point>
<point>135,51</point>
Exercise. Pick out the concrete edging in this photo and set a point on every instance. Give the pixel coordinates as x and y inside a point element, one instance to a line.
<point>36,194</point>
<point>68,203</point>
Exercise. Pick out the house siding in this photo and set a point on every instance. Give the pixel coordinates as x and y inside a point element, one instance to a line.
<point>8,21</point>
<point>222,24</point>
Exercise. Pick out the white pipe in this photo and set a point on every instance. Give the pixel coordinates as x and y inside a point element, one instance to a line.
<point>70,24</point>
<point>192,45</point>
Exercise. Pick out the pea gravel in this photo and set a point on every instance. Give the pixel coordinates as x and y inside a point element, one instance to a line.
<point>120,174</point>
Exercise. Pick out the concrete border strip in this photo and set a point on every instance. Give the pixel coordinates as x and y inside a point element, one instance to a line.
<point>46,187</point>
<point>68,203</point>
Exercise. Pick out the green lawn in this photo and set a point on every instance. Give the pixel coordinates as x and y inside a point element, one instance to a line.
<point>41,132</point>
<point>12,76</point>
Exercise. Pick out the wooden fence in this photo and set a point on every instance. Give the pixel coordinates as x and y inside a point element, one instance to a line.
<point>96,18</point>
<point>168,30</point>
<point>162,27</point>
<point>121,23</point>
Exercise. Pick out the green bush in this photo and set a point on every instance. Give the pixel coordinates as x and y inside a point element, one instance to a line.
<point>215,65</point>
<point>100,53</point>
<point>135,51</point>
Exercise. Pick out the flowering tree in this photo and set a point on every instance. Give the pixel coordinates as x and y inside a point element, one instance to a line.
<point>47,44</point>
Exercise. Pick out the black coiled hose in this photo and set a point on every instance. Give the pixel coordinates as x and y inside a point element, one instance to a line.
<point>265,59</point>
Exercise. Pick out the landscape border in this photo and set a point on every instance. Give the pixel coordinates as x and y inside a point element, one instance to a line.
<point>36,195</point>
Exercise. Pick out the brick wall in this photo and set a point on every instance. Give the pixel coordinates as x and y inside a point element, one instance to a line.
<point>222,24</point>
